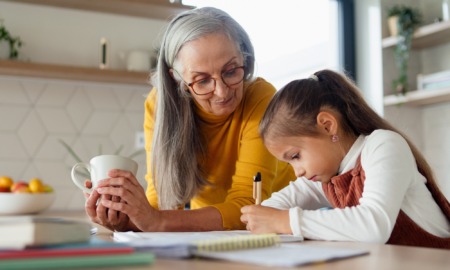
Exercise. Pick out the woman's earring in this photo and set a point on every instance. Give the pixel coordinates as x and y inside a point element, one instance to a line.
<point>334,138</point>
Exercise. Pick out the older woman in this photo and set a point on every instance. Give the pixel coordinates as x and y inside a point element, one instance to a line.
<point>201,128</point>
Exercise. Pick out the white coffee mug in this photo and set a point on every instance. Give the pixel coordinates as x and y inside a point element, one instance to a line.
<point>98,168</point>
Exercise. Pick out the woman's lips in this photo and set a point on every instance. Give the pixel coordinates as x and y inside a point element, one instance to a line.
<point>224,102</point>
<point>313,178</point>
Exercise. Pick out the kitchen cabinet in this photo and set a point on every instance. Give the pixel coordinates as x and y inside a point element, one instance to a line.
<point>425,37</point>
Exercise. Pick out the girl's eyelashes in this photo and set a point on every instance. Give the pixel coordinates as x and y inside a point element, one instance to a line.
<point>295,156</point>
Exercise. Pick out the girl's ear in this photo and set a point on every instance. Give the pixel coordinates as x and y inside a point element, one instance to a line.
<point>327,122</point>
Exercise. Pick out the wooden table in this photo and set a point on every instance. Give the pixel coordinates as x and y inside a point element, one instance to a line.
<point>381,257</point>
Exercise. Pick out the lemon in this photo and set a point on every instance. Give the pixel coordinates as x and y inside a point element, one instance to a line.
<point>6,181</point>
<point>35,185</point>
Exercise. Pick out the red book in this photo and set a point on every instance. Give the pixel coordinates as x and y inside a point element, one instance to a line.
<point>93,248</point>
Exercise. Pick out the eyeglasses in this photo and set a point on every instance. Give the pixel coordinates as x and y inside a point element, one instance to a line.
<point>207,85</point>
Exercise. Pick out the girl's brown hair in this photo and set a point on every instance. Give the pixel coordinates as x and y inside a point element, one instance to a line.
<point>294,108</point>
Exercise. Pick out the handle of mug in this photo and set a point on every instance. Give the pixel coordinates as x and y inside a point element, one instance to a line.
<point>77,181</point>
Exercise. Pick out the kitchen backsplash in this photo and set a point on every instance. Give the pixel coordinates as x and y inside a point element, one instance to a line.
<point>36,113</point>
<point>91,117</point>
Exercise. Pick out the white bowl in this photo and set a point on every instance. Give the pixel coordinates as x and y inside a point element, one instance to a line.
<point>24,203</point>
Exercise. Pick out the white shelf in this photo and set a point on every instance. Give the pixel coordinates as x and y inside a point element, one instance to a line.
<point>425,36</point>
<point>39,70</point>
<point>419,98</point>
<point>155,9</point>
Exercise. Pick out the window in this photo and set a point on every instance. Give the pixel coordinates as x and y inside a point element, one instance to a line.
<point>292,38</point>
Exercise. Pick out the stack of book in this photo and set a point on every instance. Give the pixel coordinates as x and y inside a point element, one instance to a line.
<point>29,242</point>
<point>432,81</point>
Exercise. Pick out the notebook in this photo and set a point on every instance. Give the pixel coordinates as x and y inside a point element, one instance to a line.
<point>18,232</point>
<point>284,255</point>
<point>187,244</point>
<point>237,246</point>
<point>94,253</point>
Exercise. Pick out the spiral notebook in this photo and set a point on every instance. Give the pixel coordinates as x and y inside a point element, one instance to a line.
<point>188,244</point>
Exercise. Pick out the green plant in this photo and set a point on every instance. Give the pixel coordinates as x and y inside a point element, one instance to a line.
<point>14,42</point>
<point>408,20</point>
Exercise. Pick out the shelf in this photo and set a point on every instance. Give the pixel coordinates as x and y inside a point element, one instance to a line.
<point>425,36</point>
<point>155,9</point>
<point>17,68</point>
<point>419,98</point>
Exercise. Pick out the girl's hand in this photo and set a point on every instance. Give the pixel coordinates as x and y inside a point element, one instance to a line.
<point>262,219</point>
<point>133,203</point>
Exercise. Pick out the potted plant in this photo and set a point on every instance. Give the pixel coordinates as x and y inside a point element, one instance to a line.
<point>12,43</point>
<point>407,20</point>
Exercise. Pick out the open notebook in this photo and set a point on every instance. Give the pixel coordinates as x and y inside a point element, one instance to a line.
<point>239,246</point>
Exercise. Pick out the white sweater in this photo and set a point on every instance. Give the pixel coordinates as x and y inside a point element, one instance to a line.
<point>392,183</point>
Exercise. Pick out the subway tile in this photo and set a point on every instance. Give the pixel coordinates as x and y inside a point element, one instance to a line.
<point>31,133</point>
<point>56,94</point>
<point>11,92</point>
<point>123,95</point>
<point>79,109</point>
<point>102,97</point>
<point>52,149</point>
<point>98,145</point>
<point>33,88</point>
<point>12,116</point>
<point>56,120</point>
<point>123,135</point>
<point>137,102</point>
<point>11,147</point>
<point>35,113</point>
<point>13,168</point>
<point>100,123</point>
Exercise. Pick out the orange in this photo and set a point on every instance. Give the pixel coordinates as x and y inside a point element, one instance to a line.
<point>6,182</point>
<point>35,185</point>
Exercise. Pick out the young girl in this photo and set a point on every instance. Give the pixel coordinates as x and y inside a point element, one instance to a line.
<point>346,157</point>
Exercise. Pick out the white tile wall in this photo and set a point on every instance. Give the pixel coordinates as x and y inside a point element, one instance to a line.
<point>429,128</point>
<point>36,113</point>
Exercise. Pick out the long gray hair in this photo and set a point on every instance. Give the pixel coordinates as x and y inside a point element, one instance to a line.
<point>178,148</point>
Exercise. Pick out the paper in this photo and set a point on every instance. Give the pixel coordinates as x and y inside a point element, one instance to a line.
<point>286,255</point>
<point>176,244</point>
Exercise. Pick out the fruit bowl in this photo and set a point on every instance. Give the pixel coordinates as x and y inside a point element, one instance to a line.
<point>25,203</point>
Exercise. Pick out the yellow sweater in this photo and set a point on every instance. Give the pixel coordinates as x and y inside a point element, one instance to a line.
<point>235,153</point>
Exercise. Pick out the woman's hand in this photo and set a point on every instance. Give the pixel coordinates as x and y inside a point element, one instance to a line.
<point>98,213</point>
<point>133,203</point>
<point>262,219</point>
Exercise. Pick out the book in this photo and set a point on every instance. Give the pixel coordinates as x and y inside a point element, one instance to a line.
<point>436,80</point>
<point>19,232</point>
<point>188,244</point>
<point>94,253</point>
<point>93,247</point>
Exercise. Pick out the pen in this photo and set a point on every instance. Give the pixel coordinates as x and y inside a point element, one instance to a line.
<point>257,188</point>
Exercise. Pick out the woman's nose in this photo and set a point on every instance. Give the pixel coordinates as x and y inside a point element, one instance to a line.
<point>221,89</point>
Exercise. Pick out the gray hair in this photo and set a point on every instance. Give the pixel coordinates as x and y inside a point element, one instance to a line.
<point>178,147</point>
